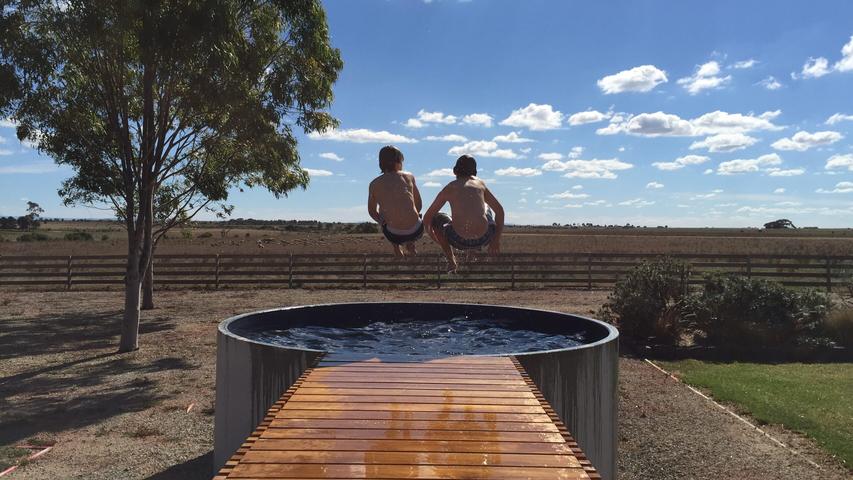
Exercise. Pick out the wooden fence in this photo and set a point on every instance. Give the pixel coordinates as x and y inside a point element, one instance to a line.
<point>522,270</point>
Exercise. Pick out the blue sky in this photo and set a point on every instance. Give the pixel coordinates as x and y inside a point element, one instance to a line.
<point>731,113</point>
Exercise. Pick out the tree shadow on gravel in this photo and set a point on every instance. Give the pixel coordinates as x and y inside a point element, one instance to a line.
<point>76,386</point>
<point>199,468</point>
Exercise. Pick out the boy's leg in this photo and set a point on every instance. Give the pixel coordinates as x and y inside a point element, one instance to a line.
<point>411,248</point>
<point>398,252</point>
<point>447,249</point>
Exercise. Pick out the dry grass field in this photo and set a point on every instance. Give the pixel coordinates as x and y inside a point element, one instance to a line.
<point>207,239</point>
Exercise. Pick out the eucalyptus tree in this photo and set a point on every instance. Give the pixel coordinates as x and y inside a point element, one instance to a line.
<point>162,106</point>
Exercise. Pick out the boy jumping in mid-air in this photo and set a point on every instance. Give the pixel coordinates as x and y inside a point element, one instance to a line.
<point>395,202</point>
<point>472,225</point>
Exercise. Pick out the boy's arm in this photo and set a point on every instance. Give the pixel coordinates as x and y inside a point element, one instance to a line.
<point>439,202</point>
<point>491,201</point>
<point>419,203</point>
<point>373,208</point>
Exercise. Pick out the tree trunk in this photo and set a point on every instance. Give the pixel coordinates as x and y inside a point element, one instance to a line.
<point>148,286</point>
<point>132,288</point>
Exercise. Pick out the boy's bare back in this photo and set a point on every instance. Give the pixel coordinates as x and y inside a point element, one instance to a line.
<point>397,198</point>
<point>468,199</point>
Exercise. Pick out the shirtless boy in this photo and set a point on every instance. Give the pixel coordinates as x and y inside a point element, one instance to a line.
<point>395,203</point>
<point>471,204</point>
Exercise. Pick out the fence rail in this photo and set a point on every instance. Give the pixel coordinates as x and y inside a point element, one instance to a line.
<point>579,270</point>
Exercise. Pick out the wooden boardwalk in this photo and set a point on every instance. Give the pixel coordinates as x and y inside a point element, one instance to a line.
<point>396,418</point>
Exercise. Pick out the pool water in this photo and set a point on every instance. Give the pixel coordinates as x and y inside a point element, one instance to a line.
<point>456,336</point>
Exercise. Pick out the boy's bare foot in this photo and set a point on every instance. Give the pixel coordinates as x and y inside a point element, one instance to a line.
<point>398,252</point>
<point>452,266</point>
<point>411,248</point>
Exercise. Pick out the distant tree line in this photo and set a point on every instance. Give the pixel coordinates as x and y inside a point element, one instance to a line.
<point>31,221</point>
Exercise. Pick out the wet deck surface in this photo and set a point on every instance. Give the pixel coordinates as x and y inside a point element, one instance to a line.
<point>394,418</point>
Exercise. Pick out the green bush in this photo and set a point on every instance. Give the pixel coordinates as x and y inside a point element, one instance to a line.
<point>79,236</point>
<point>105,237</point>
<point>651,301</point>
<point>205,235</point>
<point>734,310</point>
<point>33,237</point>
<point>839,326</point>
<point>365,227</point>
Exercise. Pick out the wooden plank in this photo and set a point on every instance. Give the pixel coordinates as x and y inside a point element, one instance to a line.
<point>447,373</point>
<point>410,458</point>
<point>405,433</point>
<point>448,398</point>
<point>468,425</point>
<point>293,413</point>
<point>379,471</point>
<point>412,386</point>
<point>396,445</point>
<point>425,407</point>
<point>441,392</point>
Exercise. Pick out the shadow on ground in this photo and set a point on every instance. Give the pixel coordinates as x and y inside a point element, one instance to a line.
<point>86,386</point>
<point>200,467</point>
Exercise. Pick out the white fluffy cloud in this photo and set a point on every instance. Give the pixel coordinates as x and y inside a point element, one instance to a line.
<point>431,184</point>
<point>802,141</point>
<point>779,190</point>
<point>568,195</point>
<point>649,125</point>
<point>479,119</point>
<point>332,156</point>
<point>841,187</point>
<point>815,68</point>
<point>31,168</point>
<point>423,118</point>
<point>846,62</point>
<point>706,77</point>
<point>318,173</point>
<point>589,116</point>
<point>5,151</point>
<point>548,156</point>
<point>603,169</point>
<point>8,123</point>
<point>638,79</point>
<point>770,83</point>
<point>744,64</point>
<point>838,118</point>
<point>576,152</point>
<point>723,122</point>
<point>535,117</point>
<point>748,165</point>
<point>446,138</point>
<point>725,142</point>
<point>840,162</point>
<point>636,202</point>
<point>511,137</point>
<point>360,135</point>
<point>681,162</point>
<point>441,172</point>
<point>654,185</point>
<point>791,172</point>
<point>518,172</point>
<point>483,148</point>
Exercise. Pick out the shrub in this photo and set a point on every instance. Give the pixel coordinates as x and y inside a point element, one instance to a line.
<point>105,237</point>
<point>839,326</point>
<point>651,301</point>
<point>365,227</point>
<point>733,310</point>
<point>33,237</point>
<point>79,236</point>
<point>205,235</point>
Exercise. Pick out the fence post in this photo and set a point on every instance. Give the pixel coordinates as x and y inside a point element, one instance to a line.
<point>749,268</point>
<point>68,274</point>
<point>589,272</point>
<point>216,273</point>
<point>512,271</point>
<point>364,271</point>
<point>290,272</point>
<point>828,275</point>
<point>438,272</point>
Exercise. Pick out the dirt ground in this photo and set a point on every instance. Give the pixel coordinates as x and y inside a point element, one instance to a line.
<point>149,414</point>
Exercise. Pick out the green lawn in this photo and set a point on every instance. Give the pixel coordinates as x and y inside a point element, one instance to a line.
<point>815,399</point>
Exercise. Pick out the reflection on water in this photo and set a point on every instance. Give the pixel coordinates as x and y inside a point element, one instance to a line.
<point>457,336</point>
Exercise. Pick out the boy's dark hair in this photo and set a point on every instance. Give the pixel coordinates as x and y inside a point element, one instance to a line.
<point>466,166</point>
<point>389,156</point>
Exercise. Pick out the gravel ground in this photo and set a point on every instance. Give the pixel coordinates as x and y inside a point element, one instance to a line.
<point>126,416</point>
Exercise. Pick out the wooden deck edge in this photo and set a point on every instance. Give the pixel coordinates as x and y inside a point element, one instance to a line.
<point>268,418</point>
<point>564,431</point>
